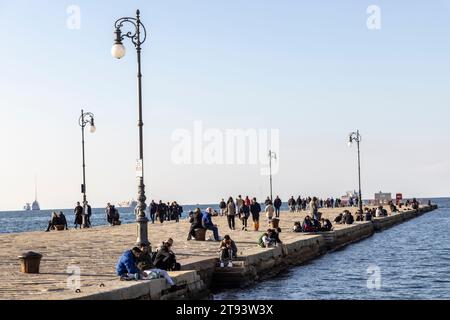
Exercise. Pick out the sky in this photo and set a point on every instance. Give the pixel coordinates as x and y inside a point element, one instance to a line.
<point>311,71</point>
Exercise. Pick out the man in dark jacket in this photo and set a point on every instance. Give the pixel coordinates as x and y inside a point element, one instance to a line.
<point>162,210</point>
<point>153,208</point>
<point>291,204</point>
<point>78,211</point>
<point>165,259</point>
<point>88,214</point>
<point>255,210</point>
<point>277,204</point>
<point>195,218</point>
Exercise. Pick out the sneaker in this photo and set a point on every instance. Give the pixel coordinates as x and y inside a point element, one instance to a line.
<point>222,265</point>
<point>230,264</point>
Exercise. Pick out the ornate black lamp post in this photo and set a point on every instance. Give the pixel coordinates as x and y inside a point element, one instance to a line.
<point>356,137</point>
<point>118,51</point>
<point>85,118</point>
<point>272,155</point>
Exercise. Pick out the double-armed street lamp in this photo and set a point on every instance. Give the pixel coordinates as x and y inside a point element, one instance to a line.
<point>356,137</point>
<point>272,155</point>
<point>85,119</point>
<point>118,51</point>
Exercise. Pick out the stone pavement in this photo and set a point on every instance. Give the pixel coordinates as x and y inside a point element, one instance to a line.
<point>95,251</point>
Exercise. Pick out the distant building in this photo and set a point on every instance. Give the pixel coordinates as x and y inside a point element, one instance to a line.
<point>382,198</point>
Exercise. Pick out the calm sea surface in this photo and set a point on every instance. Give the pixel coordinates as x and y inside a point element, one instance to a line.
<point>412,259</point>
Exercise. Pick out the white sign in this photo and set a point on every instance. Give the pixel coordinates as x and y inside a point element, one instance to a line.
<point>139,169</point>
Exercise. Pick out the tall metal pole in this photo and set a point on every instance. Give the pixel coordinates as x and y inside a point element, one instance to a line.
<point>118,52</point>
<point>359,172</point>
<point>83,187</point>
<point>141,218</point>
<point>270,169</point>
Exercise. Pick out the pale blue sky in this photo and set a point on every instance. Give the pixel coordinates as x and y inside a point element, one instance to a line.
<point>313,71</point>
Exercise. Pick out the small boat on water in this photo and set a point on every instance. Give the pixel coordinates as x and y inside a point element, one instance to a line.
<point>127,204</point>
<point>27,207</point>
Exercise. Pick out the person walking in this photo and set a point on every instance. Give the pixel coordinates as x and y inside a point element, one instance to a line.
<point>239,203</point>
<point>231,213</point>
<point>88,214</point>
<point>78,211</point>
<point>255,210</point>
<point>152,209</point>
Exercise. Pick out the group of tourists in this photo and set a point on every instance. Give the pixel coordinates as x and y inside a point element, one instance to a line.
<point>140,263</point>
<point>303,204</point>
<point>165,211</point>
<point>243,209</point>
<point>313,225</point>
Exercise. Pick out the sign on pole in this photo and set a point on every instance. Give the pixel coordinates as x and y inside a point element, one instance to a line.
<point>139,169</point>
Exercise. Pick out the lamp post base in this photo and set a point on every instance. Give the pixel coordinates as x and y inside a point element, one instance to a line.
<point>142,231</point>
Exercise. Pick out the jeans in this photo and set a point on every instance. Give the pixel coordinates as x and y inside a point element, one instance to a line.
<point>226,255</point>
<point>231,222</point>
<point>277,212</point>
<point>152,216</point>
<point>215,231</point>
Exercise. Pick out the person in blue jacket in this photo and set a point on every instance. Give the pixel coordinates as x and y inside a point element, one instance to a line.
<point>126,266</point>
<point>208,224</point>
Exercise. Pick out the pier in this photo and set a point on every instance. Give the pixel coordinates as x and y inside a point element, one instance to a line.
<point>96,251</point>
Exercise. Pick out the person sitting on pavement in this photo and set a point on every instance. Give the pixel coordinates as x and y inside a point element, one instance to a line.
<point>297,227</point>
<point>326,225</point>
<point>165,258</point>
<point>275,236</point>
<point>55,221</point>
<point>348,218</point>
<point>368,216</point>
<point>264,240</point>
<point>62,220</point>
<point>338,219</point>
<point>379,212</point>
<point>308,225</point>
<point>196,223</point>
<point>208,224</point>
<point>228,251</point>
<point>126,267</point>
<point>145,265</point>
<point>359,216</point>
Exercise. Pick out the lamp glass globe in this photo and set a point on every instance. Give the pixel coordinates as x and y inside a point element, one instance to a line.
<point>118,51</point>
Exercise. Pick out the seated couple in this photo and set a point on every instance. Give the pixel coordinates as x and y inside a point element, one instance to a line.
<point>137,264</point>
<point>58,219</point>
<point>313,225</point>
<point>271,238</point>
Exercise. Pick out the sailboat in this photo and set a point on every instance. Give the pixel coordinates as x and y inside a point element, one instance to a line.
<point>35,205</point>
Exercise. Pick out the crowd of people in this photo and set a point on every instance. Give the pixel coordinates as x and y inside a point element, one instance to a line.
<point>165,211</point>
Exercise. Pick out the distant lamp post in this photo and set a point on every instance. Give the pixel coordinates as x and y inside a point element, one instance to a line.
<point>85,119</point>
<point>356,137</point>
<point>118,51</point>
<point>272,155</point>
